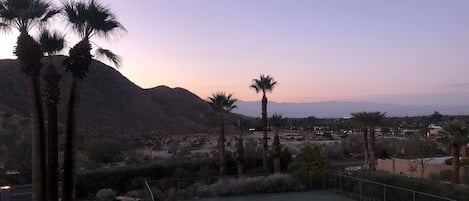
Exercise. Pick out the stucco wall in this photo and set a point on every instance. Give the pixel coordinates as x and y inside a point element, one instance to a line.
<point>413,168</point>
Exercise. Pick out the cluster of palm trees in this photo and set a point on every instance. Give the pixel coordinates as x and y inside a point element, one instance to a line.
<point>369,121</point>
<point>86,19</point>
<point>456,135</point>
<point>222,103</point>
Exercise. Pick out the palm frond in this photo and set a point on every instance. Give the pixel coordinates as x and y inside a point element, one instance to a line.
<point>51,41</point>
<point>50,14</point>
<point>110,56</point>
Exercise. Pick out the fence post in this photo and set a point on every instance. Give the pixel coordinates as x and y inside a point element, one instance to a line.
<point>360,187</point>
<point>384,194</point>
<point>413,193</point>
<point>340,184</point>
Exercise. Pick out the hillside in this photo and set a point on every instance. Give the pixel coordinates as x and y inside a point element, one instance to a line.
<point>111,105</point>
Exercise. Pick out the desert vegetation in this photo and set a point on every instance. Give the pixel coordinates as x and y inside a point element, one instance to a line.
<point>215,144</point>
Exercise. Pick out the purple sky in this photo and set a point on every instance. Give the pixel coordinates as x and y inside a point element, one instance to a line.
<point>399,51</point>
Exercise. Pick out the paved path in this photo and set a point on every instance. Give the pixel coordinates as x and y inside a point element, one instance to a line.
<point>291,196</point>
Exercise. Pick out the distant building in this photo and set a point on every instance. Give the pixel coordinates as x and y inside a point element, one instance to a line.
<point>434,131</point>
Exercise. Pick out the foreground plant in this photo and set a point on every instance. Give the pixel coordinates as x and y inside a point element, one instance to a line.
<point>24,15</point>
<point>222,103</point>
<point>264,84</point>
<point>87,19</point>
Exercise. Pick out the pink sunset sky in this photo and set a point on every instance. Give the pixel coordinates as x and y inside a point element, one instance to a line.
<point>399,51</point>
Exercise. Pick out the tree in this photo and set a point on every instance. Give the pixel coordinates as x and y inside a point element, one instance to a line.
<point>264,84</point>
<point>51,43</point>
<point>221,103</point>
<point>87,19</point>
<point>243,126</point>
<point>369,121</point>
<point>360,118</point>
<point>24,15</point>
<point>278,121</point>
<point>456,135</point>
<point>374,119</point>
<point>311,158</point>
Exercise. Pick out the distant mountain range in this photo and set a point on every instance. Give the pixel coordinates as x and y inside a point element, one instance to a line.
<point>343,109</point>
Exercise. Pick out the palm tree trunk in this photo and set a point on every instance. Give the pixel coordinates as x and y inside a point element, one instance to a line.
<point>38,160</point>
<point>69,174</point>
<point>30,54</point>
<point>366,149</point>
<point>372,148</point>
<point>264,129</point>
<point>240,159</point>
<point>456,164</point>
<point>276,150</point>
<point>221,145</point>
<point>51,79</point>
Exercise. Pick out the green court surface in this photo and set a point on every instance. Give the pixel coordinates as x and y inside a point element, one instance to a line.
<point>291,196</point>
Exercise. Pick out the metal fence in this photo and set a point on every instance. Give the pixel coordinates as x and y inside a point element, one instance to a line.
<point>365,190</point>
<point>356,188</point>
<point>16,193</point>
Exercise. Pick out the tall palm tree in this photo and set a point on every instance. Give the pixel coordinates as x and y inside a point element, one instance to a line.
<point>369,121</point>
<point>243,126</point>
<point>277,121</point>
<point>51,43</point>
<point>264,84</point>
<point>87,19</point>
<point>24,15</point>
<point>374,119</point>
<point>362,121</point>
<point>221,103</point>
<point>456,135</point>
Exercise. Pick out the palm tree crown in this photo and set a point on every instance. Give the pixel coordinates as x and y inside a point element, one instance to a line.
<point>51,41</point>
<point>24,14</point>
<point>265,84</point>
<point>222,102</point>
<point>89,19</point>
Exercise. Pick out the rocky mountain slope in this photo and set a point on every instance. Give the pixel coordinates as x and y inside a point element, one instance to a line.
<point>111,105</point>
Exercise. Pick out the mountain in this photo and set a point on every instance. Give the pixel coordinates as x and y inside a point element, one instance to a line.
<point>343,109</point>
<point>111,105</point>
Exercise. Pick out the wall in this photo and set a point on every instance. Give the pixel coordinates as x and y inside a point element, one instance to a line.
<point>413,168</point>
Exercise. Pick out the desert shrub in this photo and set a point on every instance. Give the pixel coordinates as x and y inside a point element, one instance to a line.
<point>123,179</point>
<point>246,185</point>
<point>105,195</point>
<point>104,151</point>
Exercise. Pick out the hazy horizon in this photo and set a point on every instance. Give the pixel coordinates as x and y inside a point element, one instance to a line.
<point>399,52</point>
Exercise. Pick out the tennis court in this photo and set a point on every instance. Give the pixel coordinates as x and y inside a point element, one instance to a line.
<point>290,196</point>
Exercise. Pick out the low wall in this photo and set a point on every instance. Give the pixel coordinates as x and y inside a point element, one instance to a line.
<point>413,168</point>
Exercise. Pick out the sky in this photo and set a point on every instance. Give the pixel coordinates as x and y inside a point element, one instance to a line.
<point>403,52</point>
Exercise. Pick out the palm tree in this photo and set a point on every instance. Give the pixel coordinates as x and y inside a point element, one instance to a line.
<point>278,121</point>
<point>243,126</point>
<point>369,121</point>
<point>24,15</point>
<point>264,84</point>
<point>87,19</point>
<point>374,119</point>
<point>51,43</point>
<point>221,103</point>
<point>456,135</point>
<point>362,121</point>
